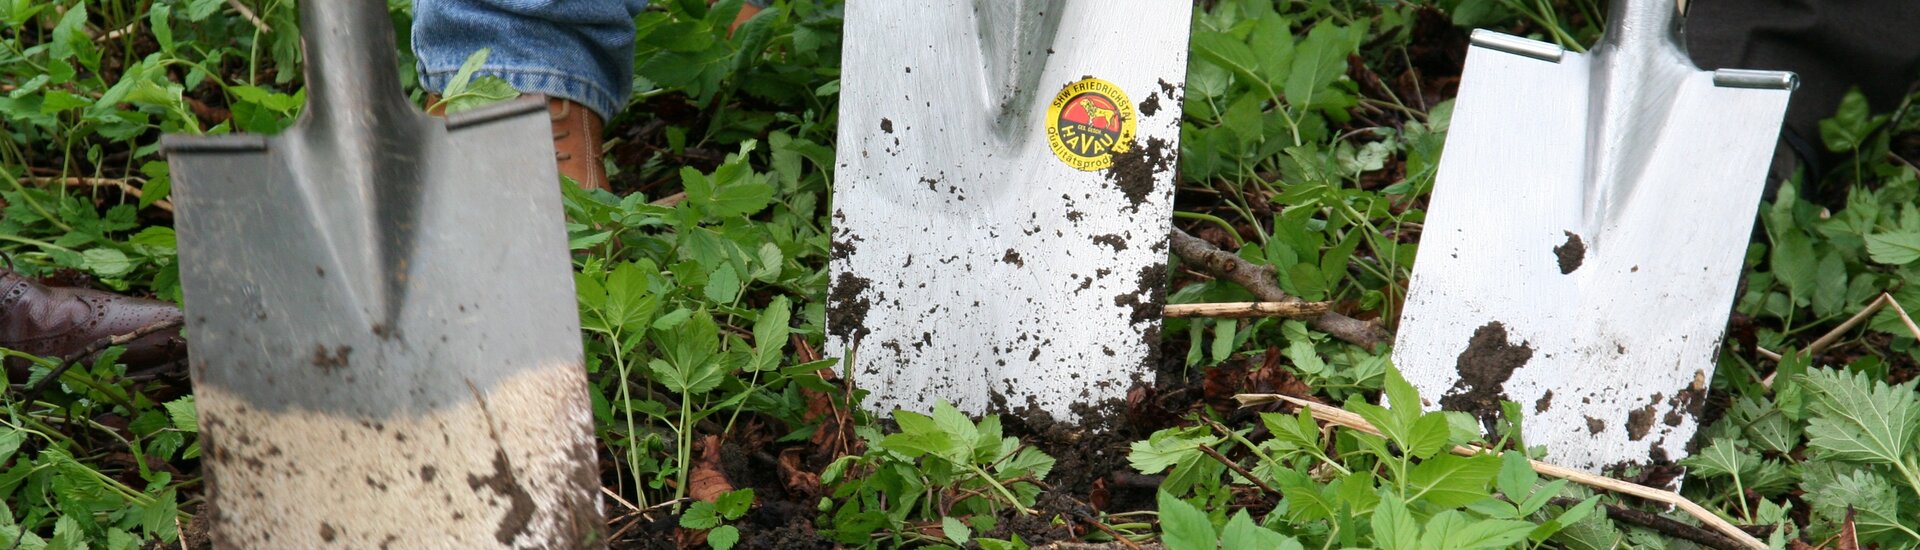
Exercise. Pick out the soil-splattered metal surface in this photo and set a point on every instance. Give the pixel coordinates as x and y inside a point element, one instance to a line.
<point>1567,255</point>
<point>1001,210</point>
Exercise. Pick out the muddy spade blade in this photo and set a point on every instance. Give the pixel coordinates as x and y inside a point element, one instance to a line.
<point>385,345</point>
<point>1003,199</point>
<point>1585,235</point>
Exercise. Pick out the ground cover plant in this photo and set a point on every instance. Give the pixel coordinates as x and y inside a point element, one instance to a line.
<point>1311,137</point>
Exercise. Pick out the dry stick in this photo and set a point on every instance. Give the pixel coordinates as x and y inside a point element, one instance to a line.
<point>1353,421</point>
<point>249,16</point>
<point>1834,335</point>
<point>124,186</point>
<point>1241,310</point>
<point>33,392</point>
<point>1259,281</point>
<point>1238,469</point>
<point>1664,525</point>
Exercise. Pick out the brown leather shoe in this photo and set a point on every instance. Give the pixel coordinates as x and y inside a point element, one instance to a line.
<point>577,140</point>
<point>56,322</point>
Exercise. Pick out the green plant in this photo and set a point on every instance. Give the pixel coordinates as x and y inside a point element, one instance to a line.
<point>712,517</point>
<point>941,466</point>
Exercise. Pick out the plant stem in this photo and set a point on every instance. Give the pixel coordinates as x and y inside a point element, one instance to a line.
<point>1001,488</point>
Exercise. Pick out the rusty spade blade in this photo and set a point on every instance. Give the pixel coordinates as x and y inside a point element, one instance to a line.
<point>1585,235</point>
<point>1003,198</point>
<point>385,346</point>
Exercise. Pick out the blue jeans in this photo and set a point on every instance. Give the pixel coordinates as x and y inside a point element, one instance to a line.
<point>575,49</point>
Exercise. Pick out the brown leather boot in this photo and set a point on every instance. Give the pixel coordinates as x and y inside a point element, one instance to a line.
<point>56,322</point>
<point>577,140</point>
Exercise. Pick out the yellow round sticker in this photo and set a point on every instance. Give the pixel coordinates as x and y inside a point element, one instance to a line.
<point>1088,122</point>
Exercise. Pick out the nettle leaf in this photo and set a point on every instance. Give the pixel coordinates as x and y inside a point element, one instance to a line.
<point>1723,458</point>
<point>1451,481</point>
<point>1897,248</point>
<point>1184,527</point>
<point>1877,515</point>
<point>1857,419</point>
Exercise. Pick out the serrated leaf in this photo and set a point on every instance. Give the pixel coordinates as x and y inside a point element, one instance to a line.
<point>1724,458</point>
<point>723,537</point>
<point>700,515</point>
<point>1450,480</point>
<point>723,285</point>
<point>955,530</point>
<point>1184,527</point>
<point>1165,448</point>
<point>1393,527</point>
<point>1861,420</point>
<point>182,412</point>
<point>733,504</point>
<point>1872,497</point>
<point>1516,478</point>
<point>1453,530</point>
<point>1319,60</point>
<point>1897,248</point>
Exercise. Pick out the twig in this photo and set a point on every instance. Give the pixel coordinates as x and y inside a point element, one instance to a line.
<point>33,392</point>
<point>1353,421</point>
<point>1238,469</point>
<point>1259,281</point>
<point>117,33</point>
<point>249,16</point>
<point>671,200</point>
<point>1241,310</point>
<point>1657,522</point>
<point>1820,344</point>
<point>125,186</point>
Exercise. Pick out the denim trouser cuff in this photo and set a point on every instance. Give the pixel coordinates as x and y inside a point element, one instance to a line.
<point>548,82</point>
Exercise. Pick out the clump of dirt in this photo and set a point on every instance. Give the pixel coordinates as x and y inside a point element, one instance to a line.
<point>1147,298</point>
<point>1570,253</point>
<point>1640,421</point>
<point>1545,402</point>
<point>1595,425</point>
<point>847,309</point>
<point>1133,169</point>
<point>1082,452</point>
<point>1484,367</point>
<point>780,524</point>
<point>1013,257</point>
<point>1114,241</point>
<point>886,125</point>
<point>1151,105</point>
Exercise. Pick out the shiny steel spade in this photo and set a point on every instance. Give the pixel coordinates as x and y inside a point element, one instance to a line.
<point>1585,236</point>
<point>385,346</point>
<point>1003,199</point>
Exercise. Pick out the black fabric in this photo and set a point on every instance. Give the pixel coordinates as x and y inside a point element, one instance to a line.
<point>1834,45</point>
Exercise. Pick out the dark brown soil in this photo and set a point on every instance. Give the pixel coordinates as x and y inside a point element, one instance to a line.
<point>1571,253</point>
<point>1134,169</point>
<point>1150,105</point>
<point>847,309</point>
<point>1484,369</point>
<point>1640,421</point>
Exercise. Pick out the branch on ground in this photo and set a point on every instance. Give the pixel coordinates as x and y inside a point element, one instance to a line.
<point>1259,281</point>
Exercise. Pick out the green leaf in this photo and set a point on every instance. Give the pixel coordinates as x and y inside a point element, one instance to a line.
<point>181,411</point>
<point>1516,478</point>
<point>700,515</point>
<point>1319,60</point>
<point>1795,264</point>
<point>723,537</point>
<point>1897,248</point>
<point>1450,481</point>
<point>1393,527</point>
<point>1861,420</point>
<point>484,90</point>
<point>1876,506</point>
<point>1168,447</point>
<point>1453,530</point>
<point>1297,430</point>
<point>722,285</point>
<point>162,32</point>
<point>1570,517</point>
<point>1724,458</point>
<point>733,504</point>
<point>107,262</point>
<point>771,329</point>
<point>1230,54</point>
<point>1184,527</point>
<point>1850,125</point>
<point>955,530</point>
<point>1241,533</point>
<point>458,84</point>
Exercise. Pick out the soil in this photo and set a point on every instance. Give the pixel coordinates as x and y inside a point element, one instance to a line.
<point>1640,421</point>
<point>1484,367</point>
<point>847,309</point>
<point>1133,171</point>
<point>1151,104</point>
<point>1571,253</point>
